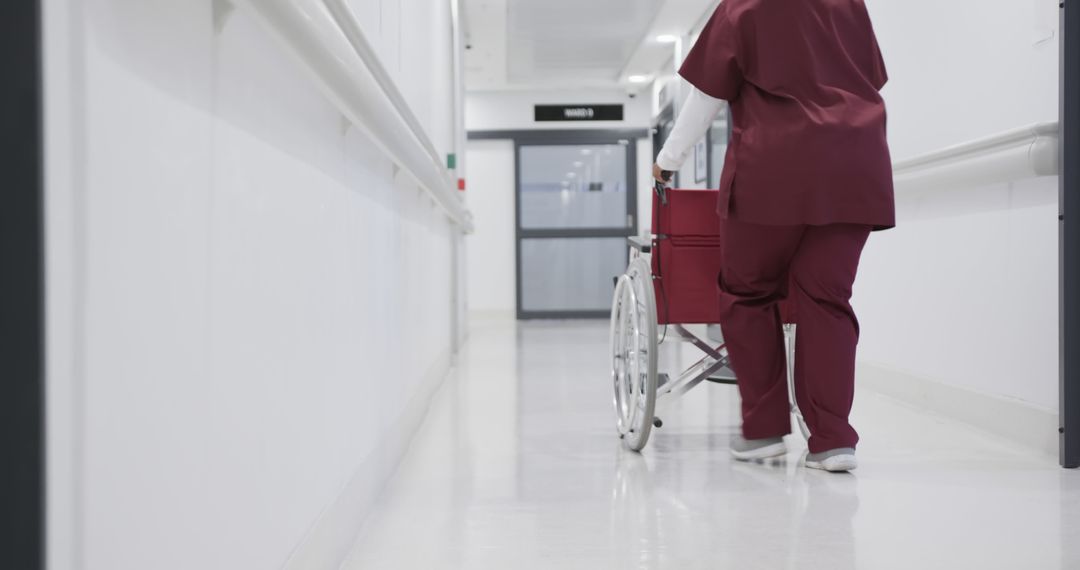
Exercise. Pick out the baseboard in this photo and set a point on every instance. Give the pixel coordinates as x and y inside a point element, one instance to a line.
<point>328,542</point>
<point>1013,420</point>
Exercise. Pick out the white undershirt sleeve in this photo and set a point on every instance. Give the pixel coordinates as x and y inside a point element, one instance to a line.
<point>694,121</point>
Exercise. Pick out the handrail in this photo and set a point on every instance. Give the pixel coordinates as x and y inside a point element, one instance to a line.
<point>1013,155</point>
<point>326,37</point>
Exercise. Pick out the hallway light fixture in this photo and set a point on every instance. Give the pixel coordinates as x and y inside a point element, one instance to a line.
<point>667,39</point>
<point>638,78</point>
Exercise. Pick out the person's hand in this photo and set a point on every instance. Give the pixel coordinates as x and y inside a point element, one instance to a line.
<point>659,174</point>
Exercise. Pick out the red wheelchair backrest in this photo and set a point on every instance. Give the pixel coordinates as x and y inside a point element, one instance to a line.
<point>686,259</point>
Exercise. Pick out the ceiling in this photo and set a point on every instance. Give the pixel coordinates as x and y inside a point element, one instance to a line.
<point>571,44</point>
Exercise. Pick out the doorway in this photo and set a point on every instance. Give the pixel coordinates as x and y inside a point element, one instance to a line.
<point>575,203</point>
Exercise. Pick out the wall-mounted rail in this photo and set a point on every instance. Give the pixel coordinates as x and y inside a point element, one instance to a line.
<point>1013,155</point>
<point>329,42</point>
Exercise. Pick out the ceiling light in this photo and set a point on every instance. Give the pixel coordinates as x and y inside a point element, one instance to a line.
<point>667,39</point>
<point>638,78</point>
<point>578,164</point>
<point>586,151</point>
<point>571,174</point>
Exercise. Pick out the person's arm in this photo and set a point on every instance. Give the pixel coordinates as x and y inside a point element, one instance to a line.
<point>713,69</point>
<point>694,120</point>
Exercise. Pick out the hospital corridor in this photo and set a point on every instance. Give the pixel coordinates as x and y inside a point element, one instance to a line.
<point>540,285</point>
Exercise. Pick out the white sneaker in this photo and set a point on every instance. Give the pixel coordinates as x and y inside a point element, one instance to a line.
<point>834,460</point>
<point>744,449</point>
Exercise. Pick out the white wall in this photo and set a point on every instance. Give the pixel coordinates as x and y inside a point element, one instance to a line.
<point>249,303</point>
<point>513,110</point>
<point>989,73</point>
<point>964,292</point>
<point>491,265</point>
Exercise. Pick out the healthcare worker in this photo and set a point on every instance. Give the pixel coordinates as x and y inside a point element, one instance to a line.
<point>807,177</point>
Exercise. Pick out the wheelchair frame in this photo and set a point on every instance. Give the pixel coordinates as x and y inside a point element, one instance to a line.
<point>639,387</point>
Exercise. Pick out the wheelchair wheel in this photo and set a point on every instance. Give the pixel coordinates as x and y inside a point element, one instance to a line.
<point>633,354</point>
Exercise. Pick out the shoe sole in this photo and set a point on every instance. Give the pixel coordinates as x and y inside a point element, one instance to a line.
<point>835,464</point>
<point>767,452</point>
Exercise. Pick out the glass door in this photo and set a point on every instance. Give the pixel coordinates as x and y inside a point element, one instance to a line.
<point>576,205</point>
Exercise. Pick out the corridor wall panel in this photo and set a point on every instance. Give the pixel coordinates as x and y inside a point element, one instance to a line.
<point>959,303</point>
<point>962,78</point>
<point>492,257</point>
<point>256,300</point>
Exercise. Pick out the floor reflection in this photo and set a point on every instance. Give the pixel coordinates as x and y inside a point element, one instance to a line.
<point>518,466</point>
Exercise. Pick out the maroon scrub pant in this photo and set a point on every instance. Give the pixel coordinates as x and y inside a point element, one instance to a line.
<point>814,266</point>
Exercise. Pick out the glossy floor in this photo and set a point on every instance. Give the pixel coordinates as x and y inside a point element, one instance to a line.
<point>517,467</point>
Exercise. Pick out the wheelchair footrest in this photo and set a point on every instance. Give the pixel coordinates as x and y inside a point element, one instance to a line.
<point>725,376</point>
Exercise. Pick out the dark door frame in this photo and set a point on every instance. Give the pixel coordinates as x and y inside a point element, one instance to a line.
<point>1069,232</point>
<point>565,138</point>
<point>22,504</point>
<point>551,137</point>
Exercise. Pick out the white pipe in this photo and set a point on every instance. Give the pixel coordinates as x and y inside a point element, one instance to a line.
<point>1014,155</point>
<point>326,38</point>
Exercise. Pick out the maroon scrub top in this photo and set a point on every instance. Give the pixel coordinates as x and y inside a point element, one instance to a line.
<point>808,144</point>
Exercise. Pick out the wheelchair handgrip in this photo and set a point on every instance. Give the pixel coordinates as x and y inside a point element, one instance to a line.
<point>661,189</point>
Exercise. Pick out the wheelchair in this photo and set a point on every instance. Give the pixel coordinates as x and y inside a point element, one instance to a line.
<point>671,282</point>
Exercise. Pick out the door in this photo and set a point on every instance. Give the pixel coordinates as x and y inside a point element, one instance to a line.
<point>576,205</point>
